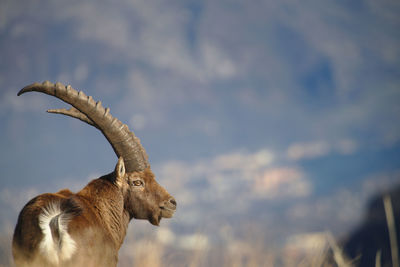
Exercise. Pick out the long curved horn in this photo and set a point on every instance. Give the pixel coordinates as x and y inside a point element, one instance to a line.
<point>123,141</point>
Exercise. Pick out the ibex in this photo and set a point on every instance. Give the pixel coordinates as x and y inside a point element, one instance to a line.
<point>88,228</point>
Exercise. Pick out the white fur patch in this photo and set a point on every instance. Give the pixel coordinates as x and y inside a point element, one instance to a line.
<point>54,251</point>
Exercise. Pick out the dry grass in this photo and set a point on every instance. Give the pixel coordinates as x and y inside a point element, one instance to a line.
<point>387,203</point>
<point>245,253</point>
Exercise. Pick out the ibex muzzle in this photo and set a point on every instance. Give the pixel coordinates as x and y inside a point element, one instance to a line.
<point>87,228</point>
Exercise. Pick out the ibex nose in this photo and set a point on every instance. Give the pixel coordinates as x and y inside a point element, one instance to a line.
<point>173,202</point>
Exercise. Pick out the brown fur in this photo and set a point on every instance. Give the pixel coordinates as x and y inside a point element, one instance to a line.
<point>99,213</point>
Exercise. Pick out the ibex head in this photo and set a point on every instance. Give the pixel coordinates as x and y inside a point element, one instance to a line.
<point>67,228</point>
<point>144,197</point>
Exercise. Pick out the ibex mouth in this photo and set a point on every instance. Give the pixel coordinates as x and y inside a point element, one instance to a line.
<point>168,208</point>
<point>167,212</point>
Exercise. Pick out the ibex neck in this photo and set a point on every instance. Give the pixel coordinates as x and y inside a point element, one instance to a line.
<point>108,202</point>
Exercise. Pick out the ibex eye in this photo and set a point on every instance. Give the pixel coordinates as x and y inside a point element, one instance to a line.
<point>137,183</point>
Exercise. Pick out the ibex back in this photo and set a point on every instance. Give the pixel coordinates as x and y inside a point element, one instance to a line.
<point>88,228</point>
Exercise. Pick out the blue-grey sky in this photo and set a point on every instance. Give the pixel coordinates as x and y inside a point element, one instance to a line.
<point>277,110</point>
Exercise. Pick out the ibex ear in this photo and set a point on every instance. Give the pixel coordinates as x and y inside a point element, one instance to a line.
<point>120,172</point>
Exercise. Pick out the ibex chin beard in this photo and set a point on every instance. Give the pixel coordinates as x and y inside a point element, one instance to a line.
<point>88,227</point>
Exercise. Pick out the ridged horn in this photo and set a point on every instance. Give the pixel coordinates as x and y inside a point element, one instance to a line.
<point>123,141</point>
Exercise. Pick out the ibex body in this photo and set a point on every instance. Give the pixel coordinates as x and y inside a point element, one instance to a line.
<point>88,228</point>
